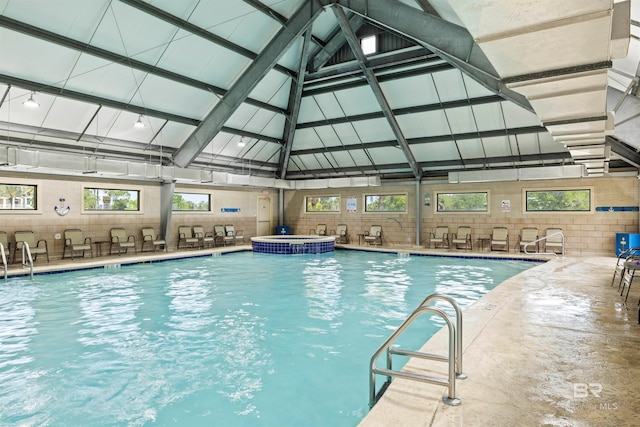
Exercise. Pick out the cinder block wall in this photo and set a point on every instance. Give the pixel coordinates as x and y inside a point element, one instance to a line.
<point>46,223</point>
<point>589,233</point>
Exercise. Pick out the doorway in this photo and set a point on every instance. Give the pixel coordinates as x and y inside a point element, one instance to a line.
<point>264,216</point>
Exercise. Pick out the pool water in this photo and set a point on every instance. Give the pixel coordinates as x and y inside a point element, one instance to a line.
<point>244,339</point>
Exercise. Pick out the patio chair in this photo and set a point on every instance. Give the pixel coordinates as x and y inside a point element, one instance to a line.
<point>206,237</point>
<point>554,241</point>
<point>186,237</point>
<point>528,235</point>
<point>231,235</point>
<point>151,240</point>
<point>340,234</point>
<point>462,237</point>
<point>218,235</point>
<point>4,240</point>
<point>439,237</point>
<point>320,230</point>
<point>631,254</point>
<point>121,241</point>
<point>75,242</point>
<point>374,235</point>
<point>499,239</point>
<point>36,247</point>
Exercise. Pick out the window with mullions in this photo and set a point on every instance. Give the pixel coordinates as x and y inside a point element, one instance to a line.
<point>559,200</point>
<point>322,203</point>
<point>385,203</point>
<point>463,202</point>
<point>101,199</point>
<point>18,197</point>
<point>191,202</point>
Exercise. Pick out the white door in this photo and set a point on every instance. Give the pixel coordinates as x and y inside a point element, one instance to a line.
<point>264,216</point>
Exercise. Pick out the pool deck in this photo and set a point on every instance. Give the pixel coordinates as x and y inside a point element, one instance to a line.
<point>555,345</point>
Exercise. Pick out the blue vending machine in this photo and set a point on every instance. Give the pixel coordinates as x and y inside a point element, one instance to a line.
<point>624,241</point>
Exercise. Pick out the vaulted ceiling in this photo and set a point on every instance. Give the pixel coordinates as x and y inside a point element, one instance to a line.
<point>282,89</point>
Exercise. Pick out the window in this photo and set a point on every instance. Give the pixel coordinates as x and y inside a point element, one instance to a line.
<point>100,199</point>
<point>559,200</point>
<point>463,202</point>
<point>191,202</point>
<point>18,197</point>
<point>385,203</point>
<point>369,44</point>
<point>323,203</point>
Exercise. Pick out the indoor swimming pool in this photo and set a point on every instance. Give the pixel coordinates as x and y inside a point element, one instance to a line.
<point>245,339</point>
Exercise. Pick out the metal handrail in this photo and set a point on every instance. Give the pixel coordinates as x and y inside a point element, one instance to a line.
<point>545,238</point>
<point>4,260</point>
<point>458,354</point>
<point>450,398</point>
<point>25,249</point>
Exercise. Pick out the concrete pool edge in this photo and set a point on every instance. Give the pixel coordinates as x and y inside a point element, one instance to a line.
<point>526,343</point>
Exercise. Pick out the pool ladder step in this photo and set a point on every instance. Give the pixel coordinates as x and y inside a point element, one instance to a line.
<point>454,358</point>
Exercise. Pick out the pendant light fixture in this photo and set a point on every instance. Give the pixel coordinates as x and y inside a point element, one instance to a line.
<point>31,103</point>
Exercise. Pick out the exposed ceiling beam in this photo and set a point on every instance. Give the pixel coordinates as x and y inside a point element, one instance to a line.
<point>623,150</point>
<point>353,42</point>
<point>278,17</point>
<point>68,43</point>
<point>604,65</point>
<point>244,84</point>
<point>490,99</point>
<point>295,96</point>
<point>436,168</point>
<point>452,42</point>
<point>357,80</point>
<point>334,44</point>
<point>424,4</point>
<point>200,32</point>
<point>388,61</point>
<point>425,140</point>
<point>97,100</point>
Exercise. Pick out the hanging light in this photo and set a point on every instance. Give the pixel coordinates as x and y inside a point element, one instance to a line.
<point>139,124</point>
<point>241,143</point>
<point>31,103</point>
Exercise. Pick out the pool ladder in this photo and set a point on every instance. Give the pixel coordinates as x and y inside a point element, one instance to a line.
<point>4,260</point>
<point>27,260</point>
<point>545,238</point>
<point>454,357</point>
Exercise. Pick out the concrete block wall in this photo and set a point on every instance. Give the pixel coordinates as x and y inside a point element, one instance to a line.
<point>588,233</point>
<point>47,224</point>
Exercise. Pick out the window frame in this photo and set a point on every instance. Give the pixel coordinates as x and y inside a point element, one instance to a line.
<point>306,204</point>
<point>525,208</point>
<point>487,211</point>
<point>36,198</point>
<point>209,197</point>
<point>113,211</point>
<point>364,203</point>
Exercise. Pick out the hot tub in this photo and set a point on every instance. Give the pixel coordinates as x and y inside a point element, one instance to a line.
<point>293,244</point>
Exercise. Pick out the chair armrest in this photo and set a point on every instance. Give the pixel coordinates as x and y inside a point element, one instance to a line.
<point>43,241</point>
<point>131,238</point>
<point>87,238</point>
<point>67,242</point>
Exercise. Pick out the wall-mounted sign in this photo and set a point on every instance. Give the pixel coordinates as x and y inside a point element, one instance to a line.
<point>506,206</point>
<point>229,210</point>
<point>352,204</point>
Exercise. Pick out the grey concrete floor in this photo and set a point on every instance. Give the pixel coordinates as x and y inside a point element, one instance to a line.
<point>553,346</point>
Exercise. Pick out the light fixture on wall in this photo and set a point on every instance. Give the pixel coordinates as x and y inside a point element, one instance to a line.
<point>139,124</point>
<point>241,143</point>
<point>31,103</point>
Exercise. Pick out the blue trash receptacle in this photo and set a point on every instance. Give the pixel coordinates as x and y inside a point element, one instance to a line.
<point>283,230</point>
<point>625,241</point>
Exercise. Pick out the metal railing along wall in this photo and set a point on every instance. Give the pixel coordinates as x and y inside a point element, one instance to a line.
<point>541,239</point>
<point>454,358</point>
